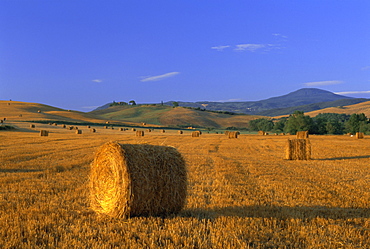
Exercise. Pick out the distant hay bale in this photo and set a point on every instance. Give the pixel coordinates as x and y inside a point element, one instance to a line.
<point>234,134</point>
<point>180,132</point>
<point>120,129</point>
<point>32,126</point>
<point>78,131</point>
<point>143,123</point>
<point>70,128</point>
<point>149,130</point>
<point>163,131</point>
<point>112,128</point>
<point>55,124</point>
<point>107,122</point>
<point>266,134</point>
<point>359,135</point>
<point>302,134</point>
<point>20,115</point>
<point>129,180</point>
<point>39,111</point>
<point>1,121</point>
<point>64,126</point>
<point>195,134</point>
<point>133,129</point>
<point>44,133</point>
<point>139,133</point>
<point>298,149</point>
<point>105,127</point>
<point>92,130</point>
<point>4,119</point>
<point>227,133</point>
<point>88,126</point>
<point>283,134</point>
<point>76,128</point>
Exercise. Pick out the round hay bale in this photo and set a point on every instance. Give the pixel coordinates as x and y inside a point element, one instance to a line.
<point>234,134</point>
<point>120,129</point>
<point>64,126</point>
<point>163,131</point>
<point>195,134</point>
<point>39,111</point>
<point>180,132</point>
<point>137,180</point>
<point>133,129</point>
<point>44,133</point>
<point>32,126</point>
<point>93,130</point>
<point>78,131</point>
<point>139,133</point>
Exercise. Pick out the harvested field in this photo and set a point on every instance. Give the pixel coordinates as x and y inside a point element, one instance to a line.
<point>242,193</point>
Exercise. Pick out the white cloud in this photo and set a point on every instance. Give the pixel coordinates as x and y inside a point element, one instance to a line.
<point>250,47</point>
<point>220,48</point>
<point>97,80</point>
<point>352,92</point>
<point>323,83</point>
<point>159,77</point>
<point>280,35</point>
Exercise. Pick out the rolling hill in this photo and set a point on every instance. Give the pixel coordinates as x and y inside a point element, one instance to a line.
<point>363,107</point>
<point>301,97</point>
<point>176,117</point>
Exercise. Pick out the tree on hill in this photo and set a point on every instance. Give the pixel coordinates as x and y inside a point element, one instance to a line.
<point>132,102</point>
<point>357,123</point>
<point>261,124</point>
<point>298,122</point>
<point>175,104</point>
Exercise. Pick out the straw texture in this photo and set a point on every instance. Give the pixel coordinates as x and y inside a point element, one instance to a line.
<point>298,149</point>
<point>137,180</point>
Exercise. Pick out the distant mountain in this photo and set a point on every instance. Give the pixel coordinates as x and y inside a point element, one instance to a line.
<point>311,107</point>
<point>305,99</point>
<point>304,96</point>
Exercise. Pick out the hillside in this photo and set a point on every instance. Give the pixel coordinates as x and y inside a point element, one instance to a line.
<point>311,107</point>
<point>304,96</point>
<point>363,107</point>
<point>169,116</point>
<point>25,111</point>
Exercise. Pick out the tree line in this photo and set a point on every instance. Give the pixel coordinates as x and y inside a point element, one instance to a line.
<point>324,123</point>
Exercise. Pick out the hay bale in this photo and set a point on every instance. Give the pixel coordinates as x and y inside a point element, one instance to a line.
<point>143,123</point>
<point>137,180</point>
<point>105,127</point>
<point>92,130</point>
<point>195,134</point>
<point>227,133</point>
<point>88,127</point>
<point>20,115</point>
<point>44,133</point>
<point>1,121</point>
<point>283,134</point>
<point>163,131</point>
<point>234,134</point>
<point>32,126</point>
<point>149,130</point>
<point>302,134</point>
<point>78,131</point>
<point>139,133</point>
<point>180,132</point>
<point>133,129</point>
<point>359,135</point>
<point>261,133</point>
<point>64,126</point>
<point>120,129</point>
<point>70,127</point>
<point>39,111</point>
<point>298,149</point>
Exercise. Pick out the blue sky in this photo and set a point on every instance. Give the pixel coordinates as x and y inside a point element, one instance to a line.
<point>80,54</point>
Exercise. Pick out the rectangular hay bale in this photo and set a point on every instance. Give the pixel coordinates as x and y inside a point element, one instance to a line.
<point>298,149</point>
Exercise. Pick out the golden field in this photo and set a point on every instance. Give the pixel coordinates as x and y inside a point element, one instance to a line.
<point>242,193</point>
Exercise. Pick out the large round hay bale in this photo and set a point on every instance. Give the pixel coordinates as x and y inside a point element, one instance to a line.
<point>78,131</point>
<point>44,133</point>
<point>234,134</point>
<point>195,134</point>
<point>137,180</point>
<point>139,133</point>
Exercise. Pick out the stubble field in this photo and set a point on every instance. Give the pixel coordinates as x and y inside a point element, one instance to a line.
<point>242,193</point>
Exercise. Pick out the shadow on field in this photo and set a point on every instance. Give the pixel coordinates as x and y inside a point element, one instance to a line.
<point>279,212</point>
<point>19,170</point>
<point>343,158</point>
